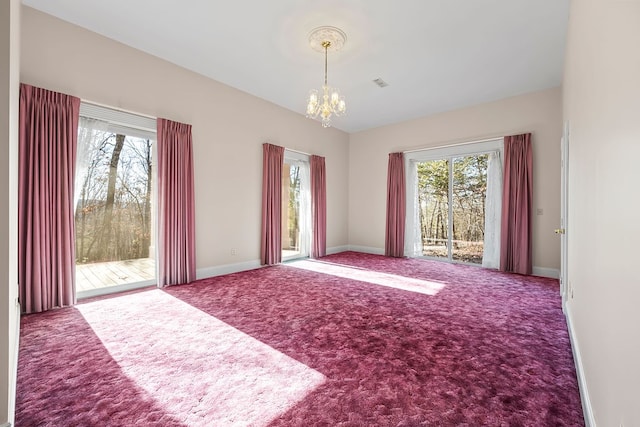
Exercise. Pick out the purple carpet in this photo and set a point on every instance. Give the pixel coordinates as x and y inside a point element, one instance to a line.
<point>349,340</point>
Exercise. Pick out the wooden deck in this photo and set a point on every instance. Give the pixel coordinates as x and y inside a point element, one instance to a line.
<point>106,274</point>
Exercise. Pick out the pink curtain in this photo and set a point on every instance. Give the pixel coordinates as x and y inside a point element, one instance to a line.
<point>48,135</point>
<point>176,204</point>
<point>271,238</point>
<point>318,207</point>
<point>396,206</point>
<point>517,197</point>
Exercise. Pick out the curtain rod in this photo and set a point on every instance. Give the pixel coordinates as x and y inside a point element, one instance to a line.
<point>414,150</point>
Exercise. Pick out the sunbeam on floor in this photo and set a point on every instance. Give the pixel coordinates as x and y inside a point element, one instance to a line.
<point>410,284</point>
<point>236,374</point>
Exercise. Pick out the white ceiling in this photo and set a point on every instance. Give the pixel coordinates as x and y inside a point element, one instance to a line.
<point>436,55</point>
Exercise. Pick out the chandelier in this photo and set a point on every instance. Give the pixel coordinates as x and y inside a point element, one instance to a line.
<point>323,39</point>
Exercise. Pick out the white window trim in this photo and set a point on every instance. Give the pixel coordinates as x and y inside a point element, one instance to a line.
<point>466,149</point>
<point>120,121</point>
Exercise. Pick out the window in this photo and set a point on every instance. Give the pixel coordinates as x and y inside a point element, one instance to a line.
<point>453,203</point>
<point>114,201</point>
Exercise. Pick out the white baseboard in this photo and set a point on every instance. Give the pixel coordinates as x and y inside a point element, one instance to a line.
<point>203,273</point>
<point>337,249</point>
<point>582,381</point>
<point>219,270</point>
<point>14,368</point>
<point>366,249</point>
<point>553,273</point>
<point>6,425</point>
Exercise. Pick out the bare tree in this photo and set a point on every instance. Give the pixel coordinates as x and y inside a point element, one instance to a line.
<point>105,233</point>
<point>91,187</point>
<point>113,219</point>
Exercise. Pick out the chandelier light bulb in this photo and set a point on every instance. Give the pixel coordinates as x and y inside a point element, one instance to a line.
<point>313,96</point>
<point>335,98</point>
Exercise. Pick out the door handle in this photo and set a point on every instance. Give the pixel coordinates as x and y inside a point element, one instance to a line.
<point>559,231</point>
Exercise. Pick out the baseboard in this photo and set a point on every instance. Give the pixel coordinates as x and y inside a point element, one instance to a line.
<point>219,270</point>
<point>582,381</point>
<point>14,368</point>
<point>6,425</point>
<point>553,273</point>
<point>366,249</point>
<point>337,249</point>
<point>203,273</point>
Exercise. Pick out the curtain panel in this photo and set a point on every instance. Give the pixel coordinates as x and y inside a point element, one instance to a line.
<point>271,237</point>
<point>413,234</point>
<point>396,206</point>
<point>48,135</point>
<point>517,200</point>
<point>492,213</point>
<point>176,204</point>
<point>318,206</point>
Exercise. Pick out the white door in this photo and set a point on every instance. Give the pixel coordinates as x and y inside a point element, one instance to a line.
<point>562,231</point>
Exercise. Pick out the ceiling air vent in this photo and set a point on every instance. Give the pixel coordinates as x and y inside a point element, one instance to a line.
<point>380,82</point>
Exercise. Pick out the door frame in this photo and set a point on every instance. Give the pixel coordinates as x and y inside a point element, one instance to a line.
<point>563,231</point>
<point>303,161</point>
<point>138,126</point>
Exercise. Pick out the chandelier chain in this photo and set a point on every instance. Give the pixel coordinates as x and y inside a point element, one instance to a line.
<point>326,45</point>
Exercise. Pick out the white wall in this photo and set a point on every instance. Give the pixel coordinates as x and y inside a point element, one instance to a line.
<point>602,105</point>
<point>539,113</point>
<point>9,311</point>
<point>229,128</point>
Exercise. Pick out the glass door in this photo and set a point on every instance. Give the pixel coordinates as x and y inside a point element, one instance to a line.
<point>433,206</point>
<point>451,194</point>
<point>469,192</point>
<point>114,210</point>
<point>296,211</point>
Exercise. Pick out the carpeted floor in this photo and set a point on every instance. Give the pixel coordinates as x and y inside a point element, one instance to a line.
<point>348,340</point>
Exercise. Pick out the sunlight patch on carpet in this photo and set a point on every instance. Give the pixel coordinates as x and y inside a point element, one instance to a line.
<point>370,276</point>
<point>198,368</point>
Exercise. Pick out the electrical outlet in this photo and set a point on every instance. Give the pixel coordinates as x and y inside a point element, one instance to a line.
<point>234,251</point>
<point>539,211</point>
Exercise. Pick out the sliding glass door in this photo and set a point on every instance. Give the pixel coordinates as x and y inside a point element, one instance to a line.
<point>450,214</point>
<point>114,207</point>
<point>296,209</point>
<point>469,192</point>
<point>433,203</point>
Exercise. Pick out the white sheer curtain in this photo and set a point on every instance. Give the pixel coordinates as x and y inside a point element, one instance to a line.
<point>305,207</point>
<point>492,213</point>
<point>92,134</point>
<point>413,236</point>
